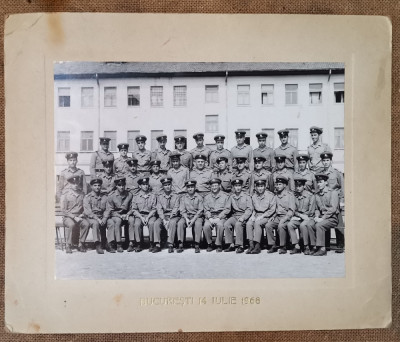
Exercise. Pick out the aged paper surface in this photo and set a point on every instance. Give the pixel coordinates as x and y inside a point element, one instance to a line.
<point>35,302</point>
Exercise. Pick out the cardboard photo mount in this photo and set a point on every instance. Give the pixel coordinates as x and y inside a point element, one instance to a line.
<point>37,303</point>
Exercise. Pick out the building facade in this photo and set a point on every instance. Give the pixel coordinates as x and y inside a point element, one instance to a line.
<point>122,100</point>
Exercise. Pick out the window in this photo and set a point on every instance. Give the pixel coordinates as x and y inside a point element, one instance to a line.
<point>86,141</point>
<point>247,136</point>
<point>212,146</point>
<point>293,136</point>
<point>212,94</point>
<point>131,140</point>
<point>156,96</point>
<point>64,97</point>
<point>87,96</point>
<point>338,92</point>
<point>154,135</point>
<point>315,93</point>
<point>133,96</point>
<point>113,136</point>
<point>243,95</point>
<point>291,94</point>
<point>339,138</point>
<point>110,96</point>
<point>267,94</point>
<point>179,96</point>
<point>211,124</point>
<point>270,137</point>
<point>62,141</point>
<point>182,132</point>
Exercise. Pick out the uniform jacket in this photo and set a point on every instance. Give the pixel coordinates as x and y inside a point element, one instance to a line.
<point>262,174</point>
<point>167,205</point>
<point>179,177</point>
<point>285,204</point>
<point>225,177</point>
<point>327,203</point>
<point>120,166</point>
<point>144,159</point>
<point>314,152</point>
<point>241,206</point>
<point>94,205</point>
<point>247,178</point>
<point>305,203</point>
<point>202,177</point>
<point>265,204</point>
<point>143,203</point>
<point>108,185</point>
<point>220,153</point>
<point>163,156</point>
<point>118,204</point>
<point>71,203</point>
<point>286,173</point>
<point>191,206</point>
<point>97,159</point>
<point>291,154</point>
<point>217,205</point>
<point>244,151</point>
<point>269,154</point>
<point>155,184</point>
<point>63,184</point>
<point>311,184</point>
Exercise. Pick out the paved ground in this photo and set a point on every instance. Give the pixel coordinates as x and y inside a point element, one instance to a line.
<point>188,265</point>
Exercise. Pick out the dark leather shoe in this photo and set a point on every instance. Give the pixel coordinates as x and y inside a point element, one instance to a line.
<point>81,248</point>
<point>282,251</point>
<point>321,253</point>
<point>209,248</point>
<point>239,250</point>
<point>68,249</point>
<point>272,249</point>
<point>313,251</point>
<point>340,250</point>
<point>156,249</point>
<point>219,249</point>
<point>307,251</point>
<point>295,251</point>
<point>250,250</point>
<point>197,249</point>
<point>170,249</point>
<point>179,250</point>
<point>111,249</point>
<point>151,249</point>
<point>130,248</point>
<point>120,249</point>
<point>256,250</point>
<point>99,250</point>
<point>229,249</point>
<point>138,249</point>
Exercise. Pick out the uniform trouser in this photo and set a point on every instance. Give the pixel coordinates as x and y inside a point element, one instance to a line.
<point>70,224</point>
<point>136,229</point>
<point>229,225</point>
<point>159,224</point>
<point>197,227</point>
<point>254,229</point>
<point>95,229</point>
<point>322,227</point>
<point>208,231</point>
<point>303,231</point>
<point>114,225</point>
<point>281,227</point>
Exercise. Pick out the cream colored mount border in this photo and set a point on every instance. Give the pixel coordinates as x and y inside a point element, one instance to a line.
<point>36,303</point>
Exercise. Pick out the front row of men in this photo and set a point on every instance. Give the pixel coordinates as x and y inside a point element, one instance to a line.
<point>236,213</point>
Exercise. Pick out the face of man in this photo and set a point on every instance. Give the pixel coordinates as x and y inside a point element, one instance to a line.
<point>302,165</point>
<point>237,188</point>
<point>299,186</point>
<point>179,146</point>
<point>240,166</point>
<point>314,137</point>
<point>326,162</point>
<point>167,187</point>
<point>284,139</point>
<point>144,187</point>
<point>133,168</point>
<point>107,169</point>
<point>123,152</point>
<point>215,188</point>
<point>72,162</point>
<point>280,186</point>
<point>262,142</point>
<point>141,144</point>
<point>321,183</point>
<point>222,165</point>
<point>105,146</point>
<point>200,163</point>
<point>162,143</point>
<point>155,168</point>
<point>200,142</point>
<point>75,186</point>
<point>280,165</point>
<point>121,187</point>
<point>96,187</point>
<point>258,165</point>
<point>175,163</point>
<point>260,188</point>
<point>191,189</point>
<point>220,144</point>
<point>240,140</point>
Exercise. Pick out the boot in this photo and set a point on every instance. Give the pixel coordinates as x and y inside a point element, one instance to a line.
<point>251,247</point>
<point>111,247</point>
<point>68,249</point>
<point>99,250</point>
<point>119,248</point>
<point>257,249</point>
<point>130,247</point>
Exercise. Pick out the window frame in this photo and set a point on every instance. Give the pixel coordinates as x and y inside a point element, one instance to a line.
<point>206,130</point>
<point>342,138</point>
<point>338,91</point>
<point>292,92</point>
<point>152,88</point>
<point>113,98</point>
<point>63,139</point>
<point>127,96</point>
<point>59,96</point>
<point>312,91</point>
<point>177,96</point>
<point>87,96</point>
<point>216,93</point>
<point>267,92</point>
<point>88,140</point>
<point>241,93</point>
<point>113,140</point>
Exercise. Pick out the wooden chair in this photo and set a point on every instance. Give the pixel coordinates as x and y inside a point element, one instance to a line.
<point>60,238</point>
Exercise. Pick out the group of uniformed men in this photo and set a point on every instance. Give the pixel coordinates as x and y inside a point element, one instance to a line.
<point>239,192</point>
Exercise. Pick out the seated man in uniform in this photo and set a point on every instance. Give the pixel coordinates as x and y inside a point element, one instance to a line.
<point>120,165</point>
<point>186,156</point>
<point>72,211</point>
<point>168,215</point>
<point>282,171</point>
<point>261,173</point>
<point>303,172</point>
<point>266,152</point>
<point>287,150</point>
<point>162,154</point>
<point>200,148</point>
<point>72,170</point>
<point>107,177</point>
<point>303,216</point>
<point>191,209</point>
<point>243,173</point>
<point>224,174</point>
<point>143,156</point>
<point>326,212</point>
<point>201,175</point>
<point>285,208</point>
<point>242,150</point>
<point>241,208</point>
<point>216,210</point>
<point>315,149</point>
<point>220,151</point>
<point>178,173</point>
<point>143,208</point>
<point>118,204</point>
<point>100,156</point>
<point>264,203</point>
<point>131,175</point>
<point>155,177</point>
<point>94,206</point>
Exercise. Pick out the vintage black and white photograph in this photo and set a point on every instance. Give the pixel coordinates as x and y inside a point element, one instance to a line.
<point>210,170</point>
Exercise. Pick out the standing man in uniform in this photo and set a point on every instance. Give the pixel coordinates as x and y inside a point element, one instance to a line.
<point>120,165</point>
<point>287,150</point>
<point>168,215</point>
<point>303,172</point>
<point>261,173</point>
<point>143,156</point>
<point>100,156</point>
<point>241,208</point>
<point>243,173</point>
<point>72,170</point>
<point>224,174</point>
<point>315,149</point>
<point>242,150</point>
<point>326,213</point>
<point>201,175</point>
<point>200,148</point>
<point>155,177</point>
<point>94,206</point>
<point>186,156</point>
<point>216,210</point>
<point>285,208</point>
<point>303,216</point>
<point>264,204</point>
<point>72,211</point>
<point>143,208</point>
<point>178,173</point>
<point>162,154</point>
<point>282,171</point>
<point>117,208</point>
<point>107,177</point>
<point>131,175</point>
<point>220,151</point>
<point>191,209</point>
<point>266,152</point>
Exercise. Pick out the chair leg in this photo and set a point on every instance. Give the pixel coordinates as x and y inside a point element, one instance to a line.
<point>57,236</point>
